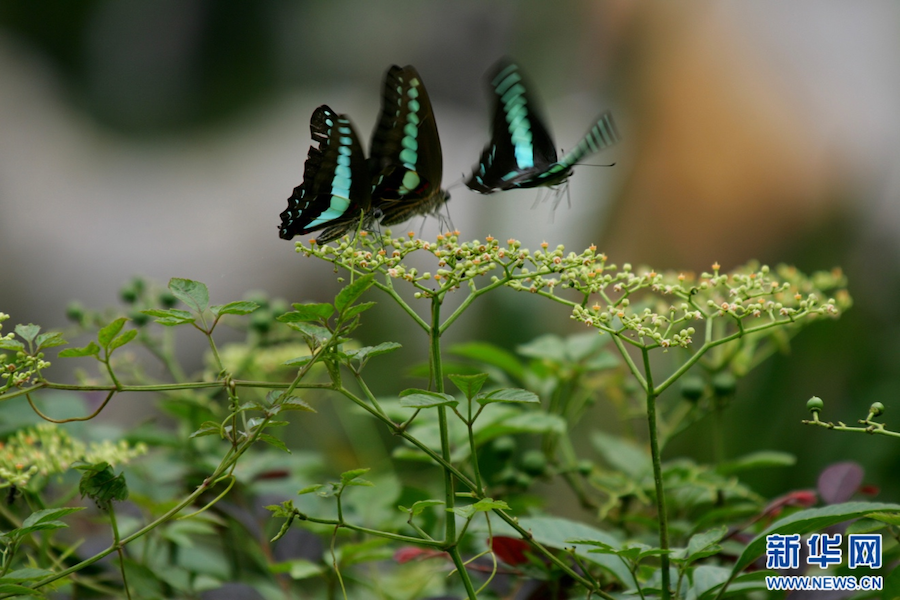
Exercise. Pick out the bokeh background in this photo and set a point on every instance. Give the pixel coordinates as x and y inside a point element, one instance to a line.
<point>162,138</point>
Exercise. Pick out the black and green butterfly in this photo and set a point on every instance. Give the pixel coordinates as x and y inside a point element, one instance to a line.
<point>405,160</point>
<point>521,153</point>
<point>336,191</point>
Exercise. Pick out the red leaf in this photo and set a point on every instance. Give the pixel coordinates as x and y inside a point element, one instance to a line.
<point>510,550</point>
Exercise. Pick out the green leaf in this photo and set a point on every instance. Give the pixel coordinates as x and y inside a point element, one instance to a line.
<point>491,355</point>
<point>414,398</point>
<point>193,293</point>
<point>294,403</point>
<point>49,514</point>
<point>273,441</point>
<point>17,590</point>
<point>358,308</point>
<point>622,454</point>
<point>757,460</point>
<point>298,568</point>
<point>91,349</point>
<point>469,384</point>
<point>892,585</point>
<point>121,340</point>
<point>309,489</point>
<point>526,422</point>
<point>28,332</point>
<point>364,354</point>
<point>889,518</point>
<point>241,307</point>
<point>50,339</point>
<point>805,521</point>
<point>353,477</point>
<point>511,395</point>
<point>702,545</point>
<point>420,506</point>
<point>26,574</point>
<point>207,428</point>
<point>707,579</point>
<point>299,361</point>
<point>546,347</point>
<point>100,484</point>
<point>169,317</point>
<point>316,332</point>
<point>352,292</point>
<point>107,333</point>
<point>483,505</point>
<point>307,312</point>
<point>13,345</point>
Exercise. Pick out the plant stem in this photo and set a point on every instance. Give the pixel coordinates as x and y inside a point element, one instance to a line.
<point>657,476</point>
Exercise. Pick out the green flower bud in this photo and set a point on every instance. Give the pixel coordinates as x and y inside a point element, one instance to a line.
<point>876,409</point>
<point>692,387</point>
<point>814,404</point>
<point>585,467</point>
<point>75,312</point>
<point>167,300</point>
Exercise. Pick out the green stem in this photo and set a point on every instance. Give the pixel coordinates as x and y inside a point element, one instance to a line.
<point>657,477</point>
<point>406,539</point>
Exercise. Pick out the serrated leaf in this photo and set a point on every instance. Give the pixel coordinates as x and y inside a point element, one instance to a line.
<point>358,308</point>
<point>49,514</point>
<point>805,521</point>
<point>491,355</point>
<point>193,293</point>
<point>352,292</point>
<point>240,307</point>
<point>414,398</point>
<point>174,313</point>
<point>101,484</point>
<point>704,544</point>
<point>295,403</point>
<point>348,476</point>
<point>469,385</point>
<point>50,339</point>
<point>108,332</point>
<point>889,518</point>
<point>91,349</point>
<point>313,331</point>
<point>757,460</point>
<point>123,339</point>
<point>273,441</point>
<point>420,506</point>
<point>307,312</point>
<point>28,332</point>
<point>309,489</point>
<point>207,428</point>
<point>13,345</point>
<point>360,482</point>
<point>511,395</point>
<point>483,505</point>
<point>368,352</point>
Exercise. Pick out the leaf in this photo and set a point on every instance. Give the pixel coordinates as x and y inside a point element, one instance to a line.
<point>622,454</point>
<point>348,476</point>
<point>309,489</point>
<point>838,482</point>
<point>483,505</point>
<point>91,349</point>
<point>313,331</point>
<point>546,347</point>
<point>298,568</point>
<point>121,340</point>
<point>241,307</point>
<point>273,441</point>
<point>100,484</point>
<point>511,395</point>
<point>295,403</point>
<point>757,460</point>
<point>350,293</point>
<point>108,332</point>
<point>469,384</point>
<point>17,590</point>
<point>49,514</point>
<point>13,345</point>
<point>169,317</point>
<point>207,428</point>
<point>299,361</point>
<point>28,332</point>
<point>414,398</point>
<point>491,355</point>
<point>358,308</point>
<point>26,574</point>
<point>704,544</point>
<point>50,339</point>
<point>805,521</point>
<point>889,518</point>
<point>193,293</point>
<point>364,354</point>
<point>526,422</point>
<point>420,506</point>
<point>307,312</point>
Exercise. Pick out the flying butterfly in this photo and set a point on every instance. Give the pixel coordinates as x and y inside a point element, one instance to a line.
<point>405,160</point>
<point>336,191</point>
<point>521,153</point>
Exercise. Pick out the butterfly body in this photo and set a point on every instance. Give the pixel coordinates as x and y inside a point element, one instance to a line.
<point>521,153</point>
<point>405,162</point>
<point>336,191</point>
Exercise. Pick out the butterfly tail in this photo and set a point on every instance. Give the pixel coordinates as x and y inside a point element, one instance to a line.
<point>601,135</point>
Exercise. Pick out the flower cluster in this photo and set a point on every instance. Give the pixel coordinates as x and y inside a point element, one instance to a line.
<point>20,370</point>
<point>46,449</point>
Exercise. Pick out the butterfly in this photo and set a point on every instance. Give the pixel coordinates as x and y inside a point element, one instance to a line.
<point>336,191</point>
<point>521,153</point>
<point>405,160</point>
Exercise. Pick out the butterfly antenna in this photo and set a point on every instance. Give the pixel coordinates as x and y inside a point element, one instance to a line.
<point>590,165</point>
<point>568,195</point>
<point>537,199</point>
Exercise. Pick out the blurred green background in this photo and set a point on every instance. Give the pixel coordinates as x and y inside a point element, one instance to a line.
<point>162,138</point>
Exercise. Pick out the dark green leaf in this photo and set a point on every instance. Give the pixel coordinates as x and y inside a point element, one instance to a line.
<point>491,355</point>
<point>352,292</point>
<point>805,521</point>
<point>91,349</point>
<point>193,293</point>
<point>889,518</point>
<point>511,395</point>
<point>26,574</point>
<point>757,460</point>
<point>357,308</point>
<point>273,441</point>
<point>107,333</point>
<point>469,384</point>
<point>241,307</point>
<point>414,398</point>
<point>121,340</point>
<point>28,332</point>
<point>50,339</point>
<point>17,590</point>
<point>307,312</point>
<point>100,484</point>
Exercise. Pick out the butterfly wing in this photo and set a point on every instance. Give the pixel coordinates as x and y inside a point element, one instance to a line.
<point>335,193</point>
<point>406,163</point>
<point>521,147</point>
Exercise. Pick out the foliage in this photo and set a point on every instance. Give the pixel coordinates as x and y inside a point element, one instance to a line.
<point>470,452</point>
